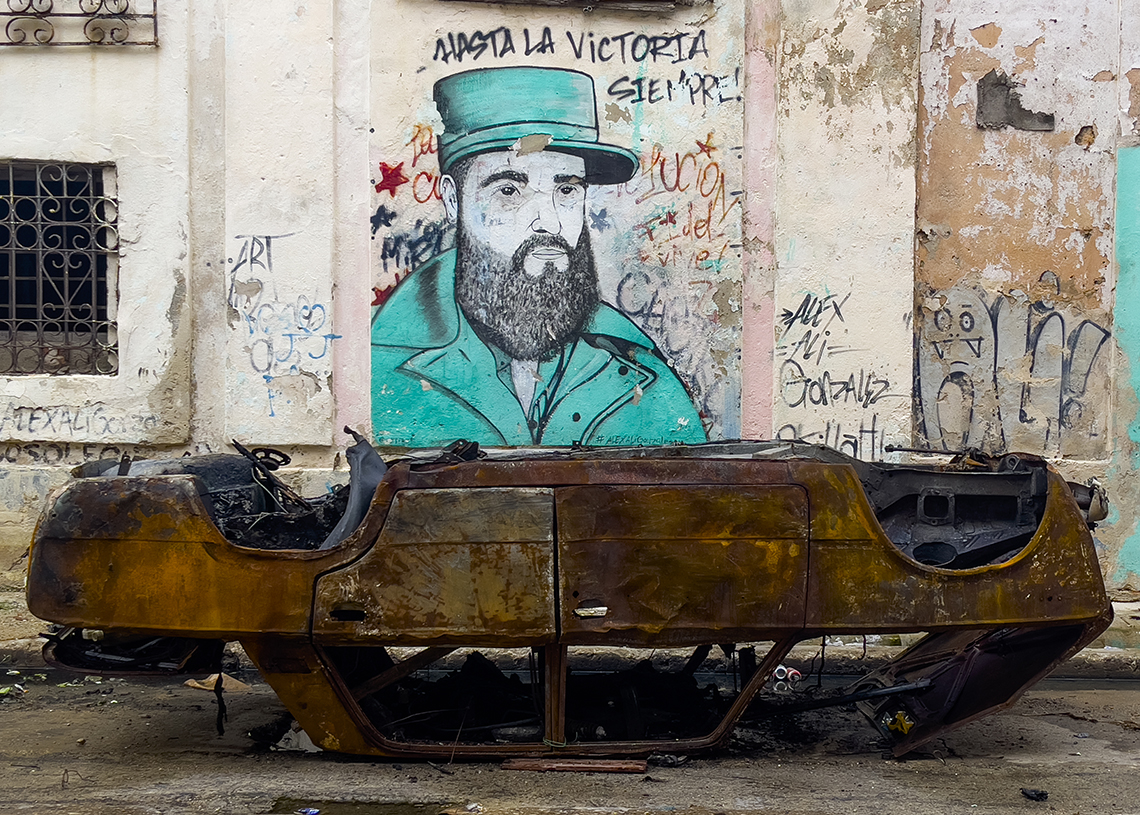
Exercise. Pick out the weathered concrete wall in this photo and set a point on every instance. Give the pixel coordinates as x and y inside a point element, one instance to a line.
<point>280,136</point>
<point>844,219</point>
<point>127,108</point>
<point>1123,566</point>
<point>286,149</point>
<point>1015,212</point>
<point>825,235</point>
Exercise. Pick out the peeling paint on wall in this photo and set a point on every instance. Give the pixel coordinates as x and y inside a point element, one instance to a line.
<point>845,219</point>
<point>1015,229</point>
<point>999,105</point>
<point>1133,77</point>
<point>1127,315</point>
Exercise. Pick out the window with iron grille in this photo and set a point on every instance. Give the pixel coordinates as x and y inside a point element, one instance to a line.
<point>58,268</point>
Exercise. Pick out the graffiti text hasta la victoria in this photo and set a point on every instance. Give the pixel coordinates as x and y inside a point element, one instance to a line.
<point>629,47</point>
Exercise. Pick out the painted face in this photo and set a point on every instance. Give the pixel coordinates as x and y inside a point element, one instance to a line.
<point>507,199</point>
<point>956,372</point>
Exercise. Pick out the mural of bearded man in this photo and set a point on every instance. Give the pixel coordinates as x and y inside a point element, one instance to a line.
<point>505,340</point>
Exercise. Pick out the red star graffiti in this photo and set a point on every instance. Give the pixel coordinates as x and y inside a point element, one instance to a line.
<point>391,178</point>
<point>706,146</point>
<point>380,296</point>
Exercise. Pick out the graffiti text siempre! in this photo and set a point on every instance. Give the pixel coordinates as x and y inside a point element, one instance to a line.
<point>695,88</point>
<point>628,48</point>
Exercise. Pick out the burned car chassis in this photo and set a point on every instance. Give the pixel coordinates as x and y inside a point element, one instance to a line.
<point>554,556</point>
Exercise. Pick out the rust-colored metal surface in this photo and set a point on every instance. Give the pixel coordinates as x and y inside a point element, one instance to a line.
<point>379,644</point>
<point>680,565</point>
<point>475,567</point>
<point>143,554</point>
<point>1055,577</point>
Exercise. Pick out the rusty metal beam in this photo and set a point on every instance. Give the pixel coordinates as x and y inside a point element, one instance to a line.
<point>397,672</point>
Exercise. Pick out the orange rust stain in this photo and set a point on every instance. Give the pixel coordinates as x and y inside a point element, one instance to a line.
<point>1134,96</point>
<point>969,66</point>
<point>987,35</point>
<point>1027,55</point>
<point>1017,200</point>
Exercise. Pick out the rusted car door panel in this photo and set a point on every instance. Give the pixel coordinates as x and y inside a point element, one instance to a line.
<point>657,565</point>
<point>453,565</point>
<point>854,583</point>
<point>143,554</point>
<point>581,472</point>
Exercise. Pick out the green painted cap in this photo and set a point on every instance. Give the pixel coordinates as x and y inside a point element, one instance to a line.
<point>492,108</point>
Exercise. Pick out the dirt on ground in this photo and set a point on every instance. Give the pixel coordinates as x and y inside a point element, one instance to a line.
<point>96,746</point>
<point>16,622</point>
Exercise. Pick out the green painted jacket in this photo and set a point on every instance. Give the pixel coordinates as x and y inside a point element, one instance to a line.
<point>434,380</point>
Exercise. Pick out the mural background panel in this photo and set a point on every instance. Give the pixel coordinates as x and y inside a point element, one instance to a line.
<point>666,239</point>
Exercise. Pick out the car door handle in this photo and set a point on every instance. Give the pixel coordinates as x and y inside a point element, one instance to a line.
<point>348,613</point>
<point>591,611</point>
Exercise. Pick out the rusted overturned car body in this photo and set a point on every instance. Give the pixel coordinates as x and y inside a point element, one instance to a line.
<point>557,553</point>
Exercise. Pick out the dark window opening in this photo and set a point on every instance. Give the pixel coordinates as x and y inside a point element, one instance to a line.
<point>59,246</point>
<point>987,508</point>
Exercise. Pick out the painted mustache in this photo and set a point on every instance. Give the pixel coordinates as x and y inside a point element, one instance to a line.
<point>543,247</point>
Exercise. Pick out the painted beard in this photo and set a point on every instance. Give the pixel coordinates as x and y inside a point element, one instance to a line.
<point>527,317</point>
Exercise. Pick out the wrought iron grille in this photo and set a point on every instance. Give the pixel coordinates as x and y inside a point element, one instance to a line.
<point>78,22</point>
<point>59,261</point>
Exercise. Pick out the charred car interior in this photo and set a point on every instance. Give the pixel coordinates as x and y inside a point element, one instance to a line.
<point>574,602</point>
